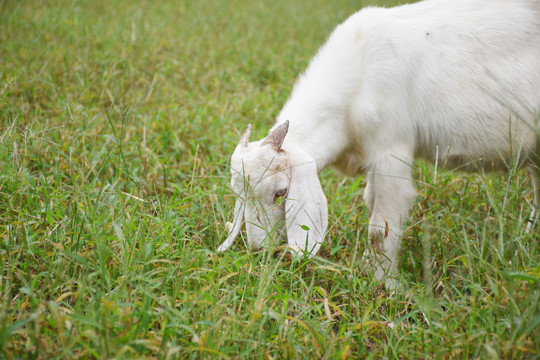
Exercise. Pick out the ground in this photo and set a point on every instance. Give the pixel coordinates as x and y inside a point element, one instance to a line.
<point>117,123</point>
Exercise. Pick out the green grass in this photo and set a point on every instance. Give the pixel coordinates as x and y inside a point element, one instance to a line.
<point>117,122</point>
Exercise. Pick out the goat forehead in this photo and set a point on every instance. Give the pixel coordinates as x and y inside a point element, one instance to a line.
<point>257,162</point>
<point>259,169</point>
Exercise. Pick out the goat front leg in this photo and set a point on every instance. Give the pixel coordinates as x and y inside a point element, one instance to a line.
<point>535,213</point>
<point>390,197</point>
<point>369,200</point>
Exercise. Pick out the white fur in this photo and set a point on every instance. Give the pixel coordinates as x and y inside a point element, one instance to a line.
<point>456,82</point>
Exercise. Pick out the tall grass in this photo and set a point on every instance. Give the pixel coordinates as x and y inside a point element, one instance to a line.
<point>117,121</point>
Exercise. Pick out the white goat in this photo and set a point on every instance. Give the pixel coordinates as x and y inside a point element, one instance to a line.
<point>456,82</point>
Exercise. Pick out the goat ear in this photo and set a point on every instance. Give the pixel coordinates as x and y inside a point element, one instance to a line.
<point>306,210</point>
<point>244,140</point>
<point>276,136</point>
<point>236,226</point>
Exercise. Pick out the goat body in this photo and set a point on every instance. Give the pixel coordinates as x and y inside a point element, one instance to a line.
<point>456,82</point>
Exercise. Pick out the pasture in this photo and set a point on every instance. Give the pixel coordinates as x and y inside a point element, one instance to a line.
<point>117,121</point>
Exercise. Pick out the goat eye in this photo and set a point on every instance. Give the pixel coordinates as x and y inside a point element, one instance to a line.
<point>280,193</point>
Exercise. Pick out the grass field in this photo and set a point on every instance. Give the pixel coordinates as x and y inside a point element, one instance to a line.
<point>117,122</point>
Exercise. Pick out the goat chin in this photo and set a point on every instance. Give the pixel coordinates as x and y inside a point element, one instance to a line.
<point>456,82</point>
